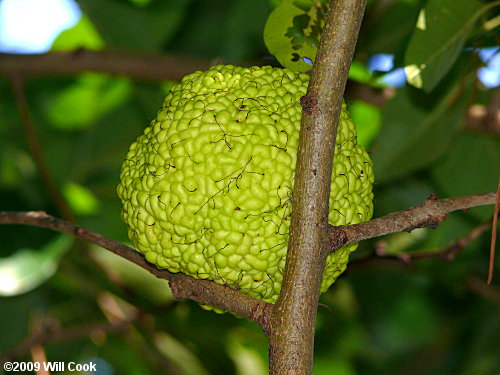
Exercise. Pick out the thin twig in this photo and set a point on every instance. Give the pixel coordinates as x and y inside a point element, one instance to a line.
<point>428,214</point>
<point>447,253</point>
<point>493,237</point>
<point>183,286</point>
<point>490,292</point>
<point>210,293</point>
<point>157,68</point>
<point>53,334</point>
<point>36,149</point>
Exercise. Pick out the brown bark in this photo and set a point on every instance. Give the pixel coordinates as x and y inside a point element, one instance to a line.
<point>142,67</point>
<point>293,319</point>
<point>183,286</point>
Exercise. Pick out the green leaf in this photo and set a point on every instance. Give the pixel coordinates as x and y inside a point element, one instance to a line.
<point>293,31</point>
<point>390,32</point>
<point>442,28</point>
<point>82,35</point>
<point>246,360</point>
<point>140,3</point>
<point>124,25</point>
<point>27,269</point>
<point>136,278</point>
<point>91,96</point>
<point>81,200</point>
<point>366,117</point>
<point>414,134</point>
<point>474,157</point>
<point>359,72</point>
<point>179,354</point>
<point>241,31</point>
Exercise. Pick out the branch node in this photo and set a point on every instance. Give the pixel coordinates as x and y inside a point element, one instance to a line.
<point>261,313</point>
<point>309,104</point>
<point>432,198</point>
<point>337,237</point>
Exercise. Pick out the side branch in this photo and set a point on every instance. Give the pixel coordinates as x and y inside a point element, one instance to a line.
<point>428,214</point>
<point>142,67</point>
<point>183,286</point>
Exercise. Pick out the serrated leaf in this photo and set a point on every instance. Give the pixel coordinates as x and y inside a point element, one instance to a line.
<point>442,28</point>
<point>293,31</point>
<point>414,133</point>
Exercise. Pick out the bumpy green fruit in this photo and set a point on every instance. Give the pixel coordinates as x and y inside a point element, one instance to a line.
<point>207,189</point>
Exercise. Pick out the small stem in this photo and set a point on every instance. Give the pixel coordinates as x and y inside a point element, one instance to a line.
<point>36,150</point>
<point>428,214</point>
<point>491,266</point>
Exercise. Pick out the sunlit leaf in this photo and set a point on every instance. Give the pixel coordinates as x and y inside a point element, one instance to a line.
<point>82,35</point>
<point>135,277</point>
<point>246,360</point>
<point>442,28</point>
<point>334,365</point>
<point>91,96</point>
<point>293,30</point>
<point>359,72</point>
<point>366,117</point>
<point>140,3</point>
<point>26,269</point>
<point>178,353</point>
<point>398,243</point>
<point>81,200</point>
<point>275,3</point>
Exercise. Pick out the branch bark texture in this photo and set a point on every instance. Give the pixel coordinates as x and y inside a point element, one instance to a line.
<point>293,321</point>
<point>142,67</point>
<point>183,286</point>
<point>428,214</point>
<point>208,292</point>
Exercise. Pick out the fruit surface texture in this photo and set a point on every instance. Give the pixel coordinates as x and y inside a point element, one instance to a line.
<point>207,188</point>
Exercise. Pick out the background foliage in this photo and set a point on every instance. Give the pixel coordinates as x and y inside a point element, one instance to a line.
<point>436,134</point>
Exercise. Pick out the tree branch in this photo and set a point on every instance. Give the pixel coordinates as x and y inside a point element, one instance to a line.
<point>155,67</point>
<point>428,214</point>
<point>494,236</point>
<point>54,333</point>
<point>291,344</point>
<point>183,286</point>
<point>210,293</point>
<point>142,67</point>
<point>36,149</point>
<point>447,253</point>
